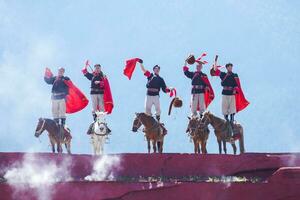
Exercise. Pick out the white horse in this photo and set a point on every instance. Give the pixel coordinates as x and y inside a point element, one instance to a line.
<point>99,133</point>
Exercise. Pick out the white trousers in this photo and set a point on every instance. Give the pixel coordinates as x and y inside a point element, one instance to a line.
<point>149,102</point>
<point>58,108</point>
<point>197,100</point>
<point>97,102</point>
<point>228,104</point>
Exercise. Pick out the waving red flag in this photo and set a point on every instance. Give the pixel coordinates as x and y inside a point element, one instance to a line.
<point>130,66</point>
<point>75,100</point>
<point>107,97</point>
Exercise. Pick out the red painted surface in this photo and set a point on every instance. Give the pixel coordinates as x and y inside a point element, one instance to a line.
<point>280,174</point>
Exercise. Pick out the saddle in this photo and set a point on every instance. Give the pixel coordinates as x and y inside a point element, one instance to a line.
<point>163,131</point>
<point>89,131</point>
<point>64,133</point>
<point>232,132</point>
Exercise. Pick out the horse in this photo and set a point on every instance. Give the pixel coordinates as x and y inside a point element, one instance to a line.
<point>198,131</point>
<point>99,132</point>
<point>55,137</point>
<point>154,131</point>
<point>222,133</point>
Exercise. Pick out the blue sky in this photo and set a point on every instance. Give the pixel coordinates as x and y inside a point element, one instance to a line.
<point>261,39</point>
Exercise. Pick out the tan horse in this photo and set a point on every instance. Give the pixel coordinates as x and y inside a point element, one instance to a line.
<point>222,132</point>
<point>53,132</point>
<point>199,132</point>
<point>154,131</point>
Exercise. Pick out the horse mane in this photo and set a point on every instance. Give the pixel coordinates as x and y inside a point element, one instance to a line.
<point>51,122</point>
<point>216,117</point>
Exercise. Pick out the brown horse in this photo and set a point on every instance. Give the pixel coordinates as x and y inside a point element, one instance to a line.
<point>153,130</point>
<point>53,132</point>
<point>222,132</point>
<point>199,132</point>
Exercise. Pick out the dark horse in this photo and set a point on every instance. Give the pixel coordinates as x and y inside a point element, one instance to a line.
<point>222,132</point>
<point>199,132</point>
<point>154,131</point>
<point>53,132</point>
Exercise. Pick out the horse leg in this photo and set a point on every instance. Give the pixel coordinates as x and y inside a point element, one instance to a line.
<point>234,148</point>
<point>196,148</point>
<point>58,147</point>
<point>204,148</point>
<point>102,145</point>
<point>98,146</point>
<point>94,142</point>
<point>154,146</point>
<point>148,145</point>
<point>159,146</point>
<point>220,146</point>
<point>224,146</point>
<point>68,146</point>
<point>53,146</point>
<point>241,141</point>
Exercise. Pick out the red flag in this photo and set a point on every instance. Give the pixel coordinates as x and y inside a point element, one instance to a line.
<point>130,66</point>
<point>75,100</point>
<point>107,97</point>
<point>240,100</point>
<point>208,94</point>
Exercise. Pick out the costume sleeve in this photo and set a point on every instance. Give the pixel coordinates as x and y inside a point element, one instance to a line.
<point>187,73</point>
<point>164,87</point>
<point>148,74</point>
<point>49,80</point>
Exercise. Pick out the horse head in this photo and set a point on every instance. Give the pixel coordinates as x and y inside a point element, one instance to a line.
<point>192,125</point>
<point>136,122</point>
<point>40,127</point>
<point>207,117</point>
<point>100,116</point>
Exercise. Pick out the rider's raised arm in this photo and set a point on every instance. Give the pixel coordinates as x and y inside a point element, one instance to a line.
<point>146,72</point>
<point>48,77</point>
<point>187,73</point>
<point>87,74</point>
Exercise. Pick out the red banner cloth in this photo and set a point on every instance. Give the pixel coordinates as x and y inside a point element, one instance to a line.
<point>130,67</point>
<point>75,100</point>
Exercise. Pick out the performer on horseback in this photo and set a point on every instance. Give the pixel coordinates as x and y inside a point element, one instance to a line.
<point>202,92</point>
<point>233,99</point>
<point>97,88</point>
<point>154,84</point>
<point>59,93</point>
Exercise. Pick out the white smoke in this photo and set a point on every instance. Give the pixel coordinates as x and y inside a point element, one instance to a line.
<point>26,97</point>
<point>37,174</point>
<point>103,168</point>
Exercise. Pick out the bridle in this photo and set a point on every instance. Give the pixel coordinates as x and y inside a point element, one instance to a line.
<point>199,124</point>
<point>42,127</point>
<point>137,123</point>
<point>99,123</point>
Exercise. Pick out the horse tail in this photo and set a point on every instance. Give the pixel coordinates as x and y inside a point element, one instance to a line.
<point>241,140</point>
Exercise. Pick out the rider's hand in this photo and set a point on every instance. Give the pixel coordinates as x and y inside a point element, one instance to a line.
<point>97,82</point>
